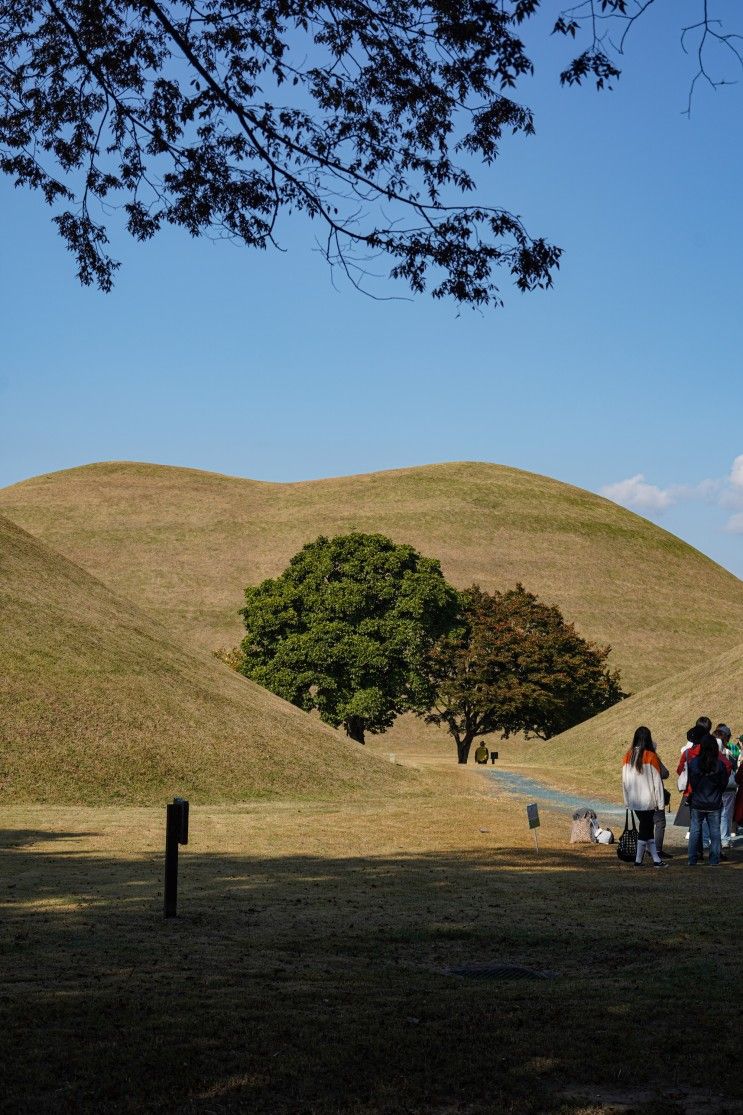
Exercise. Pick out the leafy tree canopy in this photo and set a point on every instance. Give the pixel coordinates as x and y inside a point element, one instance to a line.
<point>367,116</point>
<point>515,665</point>
<point>345,628</point>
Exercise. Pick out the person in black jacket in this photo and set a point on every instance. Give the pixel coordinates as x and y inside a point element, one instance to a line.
<point>708,777</point>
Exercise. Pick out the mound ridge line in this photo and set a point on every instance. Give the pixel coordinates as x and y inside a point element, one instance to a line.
<point>99,703</point>
<point>183,544</point>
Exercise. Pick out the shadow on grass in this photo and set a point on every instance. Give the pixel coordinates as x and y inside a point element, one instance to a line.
<point>311,984</point>
<point>24,838</point>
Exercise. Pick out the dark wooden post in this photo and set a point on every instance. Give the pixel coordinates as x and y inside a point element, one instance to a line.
<point>176,832</point>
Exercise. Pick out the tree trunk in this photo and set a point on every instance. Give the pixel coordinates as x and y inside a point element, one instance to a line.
<point>463,748</point>
<point>355,728</point>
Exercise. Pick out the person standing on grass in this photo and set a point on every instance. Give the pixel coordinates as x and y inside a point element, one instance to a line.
<point>738,814</point>
<point>708,777</point>
<point>642,787</point>
<point>659,817</point>
<point>694,738</point>
<point>723,734</point>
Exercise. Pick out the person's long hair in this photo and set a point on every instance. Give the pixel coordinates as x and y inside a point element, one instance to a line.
<point>701,729</point>
<point>642,742</point>
<point>709,754</point>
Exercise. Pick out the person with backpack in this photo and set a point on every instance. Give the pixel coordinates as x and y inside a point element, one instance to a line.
<point>708,777</point>
<point>642,787</point>
<point>690,750</point>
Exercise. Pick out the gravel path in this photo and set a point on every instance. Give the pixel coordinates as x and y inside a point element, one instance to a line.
<point>610,813</point>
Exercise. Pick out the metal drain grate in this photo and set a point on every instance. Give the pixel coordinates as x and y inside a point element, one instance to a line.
<point>495,971</point>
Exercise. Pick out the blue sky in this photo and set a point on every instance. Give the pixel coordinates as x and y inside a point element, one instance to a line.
<point>624,377</point>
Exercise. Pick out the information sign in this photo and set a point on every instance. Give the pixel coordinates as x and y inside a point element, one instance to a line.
<point>532,813</point>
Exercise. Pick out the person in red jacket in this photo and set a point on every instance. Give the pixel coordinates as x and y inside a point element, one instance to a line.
<point>708,777</point>
<point>695,736</point>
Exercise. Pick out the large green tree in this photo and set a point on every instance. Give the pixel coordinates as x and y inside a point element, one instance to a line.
<point>345,630</point>
<point>369,117</point>
<point>514,665</point>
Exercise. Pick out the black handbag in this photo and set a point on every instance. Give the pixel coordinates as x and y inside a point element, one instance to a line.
<point>683,817</point>
<point>627,846</point>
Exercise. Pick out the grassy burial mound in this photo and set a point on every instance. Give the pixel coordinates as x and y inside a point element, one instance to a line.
<point>183,544</point>
<point>97,704</point>
<point>589,756</point>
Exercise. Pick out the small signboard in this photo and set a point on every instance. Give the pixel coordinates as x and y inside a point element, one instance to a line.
<point>532,812</point>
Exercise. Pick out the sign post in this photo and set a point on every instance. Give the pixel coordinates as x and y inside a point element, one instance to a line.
<point>176,832</point>
<point>532,813</point>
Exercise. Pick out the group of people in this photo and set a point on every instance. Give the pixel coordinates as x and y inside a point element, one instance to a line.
<point>710,777</point>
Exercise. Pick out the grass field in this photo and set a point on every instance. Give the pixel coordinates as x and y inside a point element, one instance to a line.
<point>99,703</point>
<point>183,544</point>
<point>308,968</point>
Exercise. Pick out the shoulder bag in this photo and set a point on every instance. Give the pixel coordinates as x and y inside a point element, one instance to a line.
<point>627,846</point>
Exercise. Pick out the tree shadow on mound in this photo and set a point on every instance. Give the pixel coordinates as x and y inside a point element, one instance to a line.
<point>319,984</point>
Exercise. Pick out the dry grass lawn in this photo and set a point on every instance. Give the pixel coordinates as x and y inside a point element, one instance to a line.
<point>99,703</point>
<point>307,971</point>
<point>183,544</point>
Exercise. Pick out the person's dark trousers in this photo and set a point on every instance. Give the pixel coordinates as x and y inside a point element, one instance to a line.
<point>645,823</point>
<point>695,835</point>
<point>659,826</point>
<point>700,843</point>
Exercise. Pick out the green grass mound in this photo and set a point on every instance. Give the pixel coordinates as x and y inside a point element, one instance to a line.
<point>97,704</point>
<point>590,755</point>
<point>183,544</point>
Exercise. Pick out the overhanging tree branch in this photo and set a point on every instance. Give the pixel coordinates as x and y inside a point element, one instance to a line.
<point>371,116</point>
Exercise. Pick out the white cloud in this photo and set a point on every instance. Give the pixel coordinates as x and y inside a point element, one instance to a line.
<point>640,495</point>
<point>707,490</point>
<point>637,493</point>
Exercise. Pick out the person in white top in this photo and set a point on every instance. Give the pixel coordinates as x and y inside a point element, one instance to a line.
<point>642,787</point>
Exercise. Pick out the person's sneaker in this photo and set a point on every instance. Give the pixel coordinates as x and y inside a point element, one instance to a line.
<point>659,863</point>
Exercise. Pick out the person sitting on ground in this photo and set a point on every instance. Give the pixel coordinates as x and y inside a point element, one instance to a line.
<point>642,787</point>
<point>482,754</point>
<point>708,777</point>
